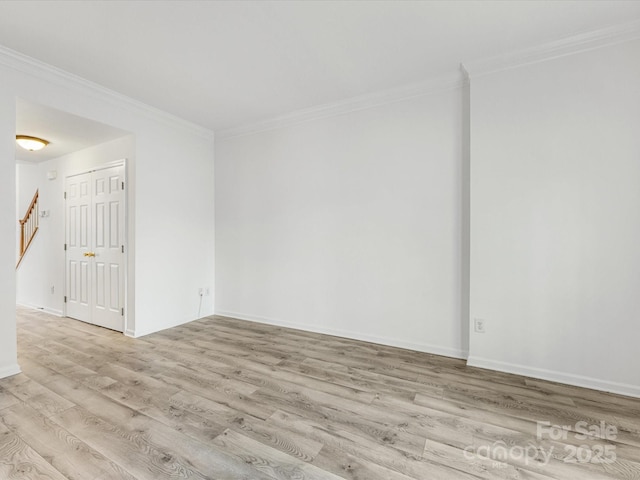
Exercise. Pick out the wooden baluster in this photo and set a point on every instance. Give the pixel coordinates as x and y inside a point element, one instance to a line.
<point>21,238</point>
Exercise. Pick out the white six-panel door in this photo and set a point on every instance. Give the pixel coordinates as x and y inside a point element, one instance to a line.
<point>95,247</point>
<point>78,242</point>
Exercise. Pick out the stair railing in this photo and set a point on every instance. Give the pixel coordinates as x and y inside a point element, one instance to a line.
<point>28,227</point>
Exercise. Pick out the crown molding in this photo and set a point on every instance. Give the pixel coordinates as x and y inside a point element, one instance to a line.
<point>43,71</point>
<point>438,84</point>
<point>570,45</point>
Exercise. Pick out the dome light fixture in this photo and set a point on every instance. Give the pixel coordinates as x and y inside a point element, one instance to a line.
<point>32,144</point>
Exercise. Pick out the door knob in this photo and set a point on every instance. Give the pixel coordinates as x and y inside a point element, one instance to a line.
<point>89,254</point>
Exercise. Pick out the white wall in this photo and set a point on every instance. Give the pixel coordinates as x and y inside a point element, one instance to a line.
<point>42,268</point>
<point>348,225</point>
<point>173,212</point>
<point>174,229</point>
<point>555,229</point>
<point>8,353</point>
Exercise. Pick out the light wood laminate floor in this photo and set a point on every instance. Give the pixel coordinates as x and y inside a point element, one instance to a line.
<point>225,399</point>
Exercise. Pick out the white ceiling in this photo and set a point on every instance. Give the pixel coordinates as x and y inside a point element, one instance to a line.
<point>224,64</point>
<point>66,133</point>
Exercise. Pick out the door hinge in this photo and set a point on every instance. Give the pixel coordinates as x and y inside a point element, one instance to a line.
<point>122,312</point>
<point>122,248</point>
<point>65,247</point>
<point>65,299</point>
<point>65,195</point>
<point>122,185</point>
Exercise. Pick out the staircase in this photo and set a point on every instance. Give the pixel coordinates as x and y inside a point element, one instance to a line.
<point>28,227</point>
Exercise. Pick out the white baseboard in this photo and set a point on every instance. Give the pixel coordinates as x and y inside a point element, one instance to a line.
<point>10,370</point>
<point>57,313</point>
<point>556,376</point>
<point>391,342</point>
<point>137,333</point>
<point>141,333</point>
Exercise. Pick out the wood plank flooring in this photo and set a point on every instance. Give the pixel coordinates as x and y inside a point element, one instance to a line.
<point>226,399</point>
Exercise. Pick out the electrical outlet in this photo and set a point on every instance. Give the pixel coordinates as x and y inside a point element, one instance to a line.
<point>207,291</point>
<point>201,291</point>
<point>479,325</point>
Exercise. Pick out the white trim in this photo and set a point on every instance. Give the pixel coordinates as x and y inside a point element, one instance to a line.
<point>10,370</point>
<point>50,311</point>
<point>556,376</point>
<point>391,342</point>
<point>141,333</point>
<point>104,166</point>
<point>438,84</point>
<point>127,281</point>
<point>36,68</point>
<point>581,42</point>
<point>137,333</point>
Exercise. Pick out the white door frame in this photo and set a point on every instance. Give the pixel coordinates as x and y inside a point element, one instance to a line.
<point>125,241</point>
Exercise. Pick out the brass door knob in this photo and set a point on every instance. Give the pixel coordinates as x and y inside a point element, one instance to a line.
<point>89,254</point>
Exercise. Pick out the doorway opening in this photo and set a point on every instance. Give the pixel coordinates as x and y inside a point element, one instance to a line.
<point>77,146</point>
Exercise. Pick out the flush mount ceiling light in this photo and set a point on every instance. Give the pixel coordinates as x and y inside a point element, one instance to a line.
<point>31,143</point>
